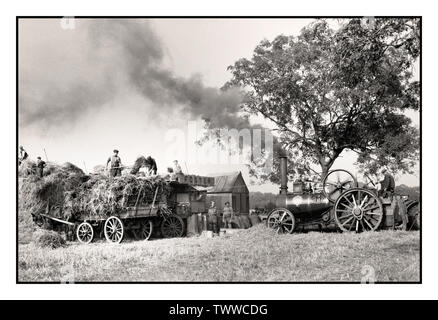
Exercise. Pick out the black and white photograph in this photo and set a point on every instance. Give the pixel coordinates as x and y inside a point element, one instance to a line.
<point>219,149</point>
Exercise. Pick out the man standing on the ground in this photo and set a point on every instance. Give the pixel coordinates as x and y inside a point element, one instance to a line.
<point>116,164</point>
<point>228,214</point>
<point>387,185</point>
<point>23,155</point>
<point>40,167</point>
<point>212,218</point>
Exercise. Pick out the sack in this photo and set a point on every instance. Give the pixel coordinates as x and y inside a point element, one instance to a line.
<point>255,219</point>
<point>235,222</point>
<point>245,223</point>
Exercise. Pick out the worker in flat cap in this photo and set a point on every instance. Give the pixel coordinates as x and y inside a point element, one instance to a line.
<point>116,164</point>
<point>40,167</point>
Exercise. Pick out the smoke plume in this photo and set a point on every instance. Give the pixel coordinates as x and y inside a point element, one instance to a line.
<point>117,55</point>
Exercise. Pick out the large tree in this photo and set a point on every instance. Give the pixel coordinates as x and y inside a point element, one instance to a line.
<point>338,88</point>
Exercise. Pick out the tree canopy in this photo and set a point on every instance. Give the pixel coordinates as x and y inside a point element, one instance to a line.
<point>334,89</point>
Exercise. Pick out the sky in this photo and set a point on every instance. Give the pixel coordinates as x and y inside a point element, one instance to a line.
<point>89,86</point>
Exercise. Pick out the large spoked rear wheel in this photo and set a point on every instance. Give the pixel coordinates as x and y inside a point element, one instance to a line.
<point>85,233</point>
<point>358,210</point>
<point>113,230</point>
<point>281,220</point>
<point>336,182</point>
<point>172,227</point>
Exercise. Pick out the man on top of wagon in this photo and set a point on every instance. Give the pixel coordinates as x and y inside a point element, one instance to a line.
<point>387,185</point>
<point>151,164</point>
<point>116,164</point>
<point>177,171</point>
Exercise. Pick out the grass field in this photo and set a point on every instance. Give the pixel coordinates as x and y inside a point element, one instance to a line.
<point>255,254</point>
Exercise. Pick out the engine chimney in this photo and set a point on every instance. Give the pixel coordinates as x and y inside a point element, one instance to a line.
<point>283,175</point>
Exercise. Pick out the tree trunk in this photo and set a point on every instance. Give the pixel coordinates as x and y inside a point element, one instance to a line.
<point>324,171</point>
<point>325,167</point>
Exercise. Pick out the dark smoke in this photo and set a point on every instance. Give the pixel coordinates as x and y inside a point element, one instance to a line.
<point>137,61</point>
<point>132,56</point>
<point>61,107</point>
<point>143,58</point>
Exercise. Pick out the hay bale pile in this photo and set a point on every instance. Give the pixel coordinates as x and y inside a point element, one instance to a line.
<point>102,196</point>
<point>245,222</point>
<point>48,239</point>
<point>255,219</point>
<point>37,195</point>
<point>27,168</point>
<point>235,222</point>
<point>66,192</point>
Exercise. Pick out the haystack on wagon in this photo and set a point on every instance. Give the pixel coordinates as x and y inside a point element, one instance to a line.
<point>341,204</point>
<point>165,214</point>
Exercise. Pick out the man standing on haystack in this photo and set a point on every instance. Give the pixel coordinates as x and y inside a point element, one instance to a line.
<point>40,164</point>
<point>23,155</point>
<point>152,165</point>
<point>116,164</point>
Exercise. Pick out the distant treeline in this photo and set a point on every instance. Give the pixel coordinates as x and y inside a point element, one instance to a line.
<point>412,192</point>
<point>267,200</point>
<point>262,200</point>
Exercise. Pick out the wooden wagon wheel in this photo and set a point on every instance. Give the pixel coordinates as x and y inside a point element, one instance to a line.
<point>358,210</point>
<point>85,233</point>
<point>172,226</point>
<point>113,229</point>
<point>145,230</point>
<point>336,182</point>
<point>281,220</point>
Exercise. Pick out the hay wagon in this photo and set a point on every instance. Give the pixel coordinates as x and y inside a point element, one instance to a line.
<point>140,220</point>
<point>340,204</point>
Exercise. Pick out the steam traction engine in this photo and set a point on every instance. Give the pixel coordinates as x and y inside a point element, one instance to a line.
<point>340,204</point>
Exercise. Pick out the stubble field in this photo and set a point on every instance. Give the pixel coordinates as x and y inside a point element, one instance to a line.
<point>255,254</point>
